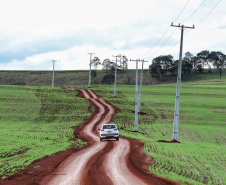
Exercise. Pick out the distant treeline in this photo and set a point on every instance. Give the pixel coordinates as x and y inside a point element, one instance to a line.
<point>165,64</point>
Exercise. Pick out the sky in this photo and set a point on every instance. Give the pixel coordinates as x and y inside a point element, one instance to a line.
<point>34,32</point>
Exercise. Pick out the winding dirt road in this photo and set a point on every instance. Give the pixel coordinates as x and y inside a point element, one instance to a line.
<point>111,162</point>
<point>103,162</point>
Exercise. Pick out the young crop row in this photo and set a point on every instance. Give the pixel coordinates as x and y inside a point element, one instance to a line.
<point>200,157</point>
<point>35,122</point>
<point>189,163</point>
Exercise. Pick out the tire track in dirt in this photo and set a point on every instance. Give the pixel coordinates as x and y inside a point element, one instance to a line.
<point>105,163</point>
<point>114,163</point>
<point>101,162</point>
<point>72,170</point>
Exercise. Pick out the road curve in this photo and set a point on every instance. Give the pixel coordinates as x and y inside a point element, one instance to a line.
<point>101,162</point>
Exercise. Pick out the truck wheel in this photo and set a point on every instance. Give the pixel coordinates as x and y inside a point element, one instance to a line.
<point>117,138</point>
<point>100,139</point>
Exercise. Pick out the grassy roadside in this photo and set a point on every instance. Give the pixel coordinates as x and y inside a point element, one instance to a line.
<point>35,122</point>
<point>200,157</point>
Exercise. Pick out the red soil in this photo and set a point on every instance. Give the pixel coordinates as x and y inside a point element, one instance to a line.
<point>109,162</point>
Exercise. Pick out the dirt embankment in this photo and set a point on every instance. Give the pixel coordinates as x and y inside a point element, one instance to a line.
<point>107,162</point>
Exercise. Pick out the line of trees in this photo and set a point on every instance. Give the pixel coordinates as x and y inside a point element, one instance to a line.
<point>165,64</point>
<point>108,65</point>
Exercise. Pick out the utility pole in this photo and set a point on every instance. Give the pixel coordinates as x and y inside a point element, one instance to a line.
<point>53,72</point>
<point>141,78</point>
<point>89,86</point>
<point>116,66</point>
<point>177,103</point>
<point>136,96</point>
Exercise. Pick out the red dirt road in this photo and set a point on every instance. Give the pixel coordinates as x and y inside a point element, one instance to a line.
<point>108,162</point>
<point>102,162</point>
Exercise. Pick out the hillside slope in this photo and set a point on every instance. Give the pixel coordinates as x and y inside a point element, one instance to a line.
<point>72,78</point>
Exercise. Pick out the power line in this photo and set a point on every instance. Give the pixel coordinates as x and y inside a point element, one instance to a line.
<point>194,11</point>
<point>177,103</point>
<point>175,29</point>
<point>162,44</point>
<point>185,35</point>
<point>188,30</point>
<point>181,12</point>
<point>166,30</point>
<point>209,12</point>
<point>156,42</point>
<point>167,51</point>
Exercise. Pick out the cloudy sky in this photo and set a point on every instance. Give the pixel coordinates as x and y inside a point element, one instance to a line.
<point>34,32</point>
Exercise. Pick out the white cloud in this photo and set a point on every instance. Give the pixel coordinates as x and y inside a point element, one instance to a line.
<point>119,44</point>
<point>51,14</point>
<point>34,32</point>
<point>76,58</point>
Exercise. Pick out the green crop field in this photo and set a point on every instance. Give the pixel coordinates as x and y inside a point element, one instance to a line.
<point>200,157</point>
<point>35,122</point>
<point>38,121</point>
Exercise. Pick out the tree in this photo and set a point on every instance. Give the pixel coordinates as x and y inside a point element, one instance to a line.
<point>188,56</point>
<point>96,62</point>
<point>186,66</point>
<point>219,60</point>
<point>161,65</point>
<point>187,63</point>
<point>108,79</point>
<point>166,62</point>
<point>200,68</point>
<point>108,65</point>
<point>173,68</point>
<point>204,56</point>
<point>155,69</point>
<point>197,64</point>
<point>93,73</point>
<point>124,63</point>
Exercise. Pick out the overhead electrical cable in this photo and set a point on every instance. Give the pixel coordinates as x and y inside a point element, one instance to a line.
<point>162,44</point>
<point>156,42</point>
<point>186,33</point>
<point>167,51</point>
<point>183,22</point>
<point>209,12</point>
<point>194,11</point>
<point>166,30</point>
<point>181,11</point>
<point>175,28</point>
